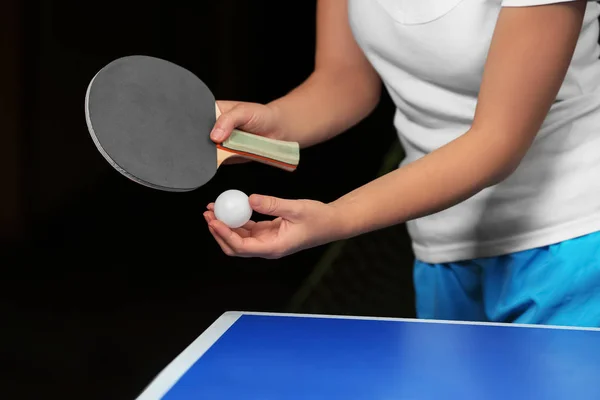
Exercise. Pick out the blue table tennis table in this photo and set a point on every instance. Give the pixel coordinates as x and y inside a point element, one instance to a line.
<point>264,356</point>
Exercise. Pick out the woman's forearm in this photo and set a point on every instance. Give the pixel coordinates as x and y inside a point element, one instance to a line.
<point>329,102</point>
<point>437,181</point>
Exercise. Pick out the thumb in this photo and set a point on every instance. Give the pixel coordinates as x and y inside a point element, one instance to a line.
<point>268,205</point>
<point>232,116</point>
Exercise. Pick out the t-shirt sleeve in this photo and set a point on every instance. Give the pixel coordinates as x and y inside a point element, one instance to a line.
<point>525,3</point>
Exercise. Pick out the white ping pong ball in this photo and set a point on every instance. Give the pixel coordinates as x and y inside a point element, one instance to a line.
<point>232,207</point>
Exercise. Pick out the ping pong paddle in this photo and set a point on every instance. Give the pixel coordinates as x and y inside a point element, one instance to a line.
<point>151,120</point>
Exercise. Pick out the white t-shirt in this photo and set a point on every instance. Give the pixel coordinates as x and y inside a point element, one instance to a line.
<point>430,55</point>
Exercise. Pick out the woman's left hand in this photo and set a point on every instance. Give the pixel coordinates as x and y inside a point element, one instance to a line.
<point>299,225</point>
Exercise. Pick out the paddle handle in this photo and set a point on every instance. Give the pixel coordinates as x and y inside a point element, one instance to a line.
<point>278,153</point>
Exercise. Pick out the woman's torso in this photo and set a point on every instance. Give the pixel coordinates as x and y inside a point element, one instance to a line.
<point>431,55</point>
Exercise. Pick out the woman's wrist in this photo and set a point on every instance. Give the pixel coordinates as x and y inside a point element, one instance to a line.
<point>344,218</point>
<point>280,133</point>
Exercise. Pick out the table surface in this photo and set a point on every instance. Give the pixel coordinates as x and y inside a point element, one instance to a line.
<point>293,356</point>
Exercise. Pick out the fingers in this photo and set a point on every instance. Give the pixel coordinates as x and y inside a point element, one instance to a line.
<point>224,246</point>
<point>236,116</point>
<point>269,205</point>
<point>246,241</point>
<point>243,231</point>
<point>234,244</point>
<point>230,241</point>
<point>227,249</point>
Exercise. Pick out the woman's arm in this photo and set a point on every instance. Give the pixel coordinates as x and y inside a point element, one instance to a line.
<point>342,90</point>
<point>529,55</point>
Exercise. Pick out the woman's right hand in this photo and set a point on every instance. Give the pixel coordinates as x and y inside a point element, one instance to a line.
<point>255,118</point>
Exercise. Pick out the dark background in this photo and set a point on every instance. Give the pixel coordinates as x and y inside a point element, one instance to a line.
<point>104,281</point>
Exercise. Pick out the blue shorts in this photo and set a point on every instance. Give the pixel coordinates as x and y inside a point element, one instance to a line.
<point>552,285</point>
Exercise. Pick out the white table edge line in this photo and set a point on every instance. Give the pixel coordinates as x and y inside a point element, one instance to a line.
<point>165,380</point>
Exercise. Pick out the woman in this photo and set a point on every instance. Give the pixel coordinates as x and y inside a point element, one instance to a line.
<point>498,109</point>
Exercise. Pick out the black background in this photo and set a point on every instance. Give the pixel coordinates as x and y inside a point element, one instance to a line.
<point>104,281</point>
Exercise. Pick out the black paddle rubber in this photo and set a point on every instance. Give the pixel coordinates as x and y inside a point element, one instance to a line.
<point>151,119</point>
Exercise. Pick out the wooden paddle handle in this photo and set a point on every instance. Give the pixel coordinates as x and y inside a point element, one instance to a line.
<point>277,153</point>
